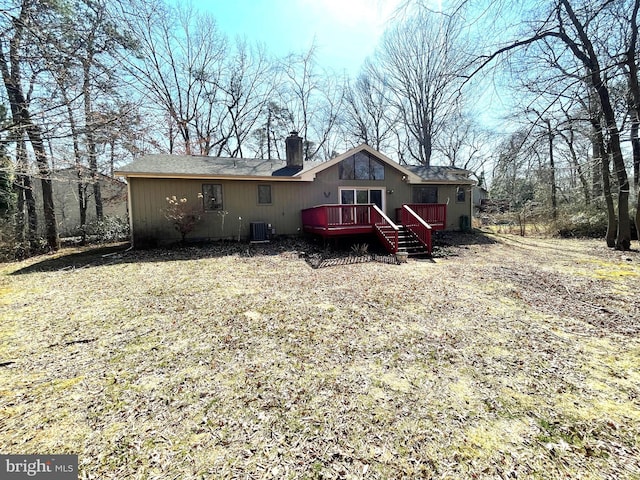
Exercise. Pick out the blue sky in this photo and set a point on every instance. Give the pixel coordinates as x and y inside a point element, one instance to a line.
<point>345,31</point>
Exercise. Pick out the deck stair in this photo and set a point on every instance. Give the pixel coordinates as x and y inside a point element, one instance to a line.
<point>410,233</point>
<point>408,242</point>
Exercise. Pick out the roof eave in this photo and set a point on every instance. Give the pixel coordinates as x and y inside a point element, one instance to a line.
<point>203,176</point>
<point>435,181</point>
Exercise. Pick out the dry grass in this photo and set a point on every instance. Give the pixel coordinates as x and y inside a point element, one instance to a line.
<point>517,359</point>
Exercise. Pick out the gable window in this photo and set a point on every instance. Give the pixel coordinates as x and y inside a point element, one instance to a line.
<point>361,166</point>
<point>424,194</point>
<point>264,194</point>
<point>460,194</point>
<point>212,196</point>
<point>347,169</point>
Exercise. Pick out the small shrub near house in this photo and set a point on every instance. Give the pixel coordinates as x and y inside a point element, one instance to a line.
<point>182,215</point>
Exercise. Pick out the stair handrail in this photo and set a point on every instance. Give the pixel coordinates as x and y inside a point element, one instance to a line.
<point>392,243</point>
<point>422,230</point>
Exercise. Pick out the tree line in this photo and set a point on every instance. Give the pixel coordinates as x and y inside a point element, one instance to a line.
<point>92,84</point>
<point>574,65</point>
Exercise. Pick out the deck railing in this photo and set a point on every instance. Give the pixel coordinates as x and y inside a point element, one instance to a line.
<point>332,220</point>
<point>331,216</point>
<point>386,230</point>
<point>416,225</point>
<point>315,217</point>
<point>435,214</point>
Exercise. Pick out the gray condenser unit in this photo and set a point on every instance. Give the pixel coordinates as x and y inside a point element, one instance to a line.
<point>258,231</point>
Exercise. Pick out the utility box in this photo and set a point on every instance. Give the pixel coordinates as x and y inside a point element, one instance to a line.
<point>465,225</point>
<point>258,232</point>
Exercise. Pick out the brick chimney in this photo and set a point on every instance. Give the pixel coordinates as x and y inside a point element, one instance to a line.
<point>294,150</point>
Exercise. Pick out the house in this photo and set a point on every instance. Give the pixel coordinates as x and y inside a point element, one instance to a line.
<point>66,183</point>
<point>359,192</point>
<point>480,195</point>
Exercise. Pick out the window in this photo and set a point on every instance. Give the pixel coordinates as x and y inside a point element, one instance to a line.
<point>361,196</point>
<point>347,197</point>
<point>347,169</point>
<point>376,170</point>
<point>425,195</point>
<point>264,194</point>
<point>361,166</point>
<point>212,196</point>
<point>460,194</point>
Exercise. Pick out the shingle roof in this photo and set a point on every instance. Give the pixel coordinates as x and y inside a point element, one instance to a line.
<point>440,173</point>
<point>188,165</point>
<point>216,167</point>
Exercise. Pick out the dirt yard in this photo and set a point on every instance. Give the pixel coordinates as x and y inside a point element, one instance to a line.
<point>503,357</point>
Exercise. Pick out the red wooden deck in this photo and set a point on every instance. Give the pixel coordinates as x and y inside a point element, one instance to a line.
<point>336,220</point>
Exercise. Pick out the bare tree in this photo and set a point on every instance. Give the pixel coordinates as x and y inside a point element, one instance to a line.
<point>574,140</point>
<point>567,31</point>
<point>180,58</point>
<point>24,27</point>
<point>630,67</point>
<point>513,178</point>
<point>420,62</point>
<point>370,118</point>
<point>276,125</point>
<point>314,99</point>
<point>246,89</point>
<point>463,144</point>
<point>602,153</point>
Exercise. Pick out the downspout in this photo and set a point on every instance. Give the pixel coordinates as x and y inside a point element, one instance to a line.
<point>470,208</point>
<point>130,211</point>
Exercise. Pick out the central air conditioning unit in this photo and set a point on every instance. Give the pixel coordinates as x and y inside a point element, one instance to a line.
<point>258,232</point>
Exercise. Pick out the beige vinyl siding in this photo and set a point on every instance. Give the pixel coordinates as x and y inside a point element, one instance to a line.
<point>447,194</point>
<point>240,200</point>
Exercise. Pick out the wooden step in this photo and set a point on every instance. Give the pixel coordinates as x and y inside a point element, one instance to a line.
<point>407,242</point>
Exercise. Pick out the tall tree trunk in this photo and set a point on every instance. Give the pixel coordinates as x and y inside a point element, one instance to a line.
<point>586,54</point>
<point>623,236</point>
<point>578,168</point>
<point>77,156</point>
<point>634,105</point>
<point>596,178</point>
<point>82,203</point>
<point>269,132</point>
<point>552,166</point>
<point>82,200</point>
<point>18,188</point>
<point>600,152</point>
<point>26,200</point>
<point>51,226</point>
<point>89,135</point>
<point>635,148</point>
<point>32,213</point>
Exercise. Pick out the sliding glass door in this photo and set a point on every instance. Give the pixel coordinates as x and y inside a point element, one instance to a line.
<point>362,196</point>
<point>359,196</point>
